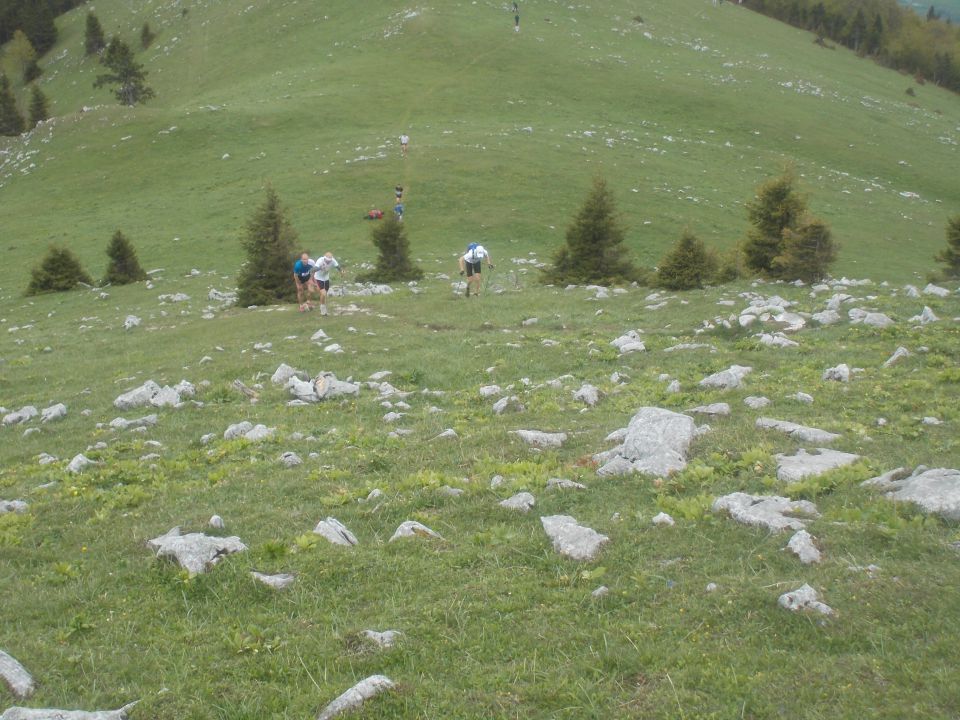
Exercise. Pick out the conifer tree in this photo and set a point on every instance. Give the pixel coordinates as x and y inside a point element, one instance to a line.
<point>950,255</point>
<point>94,40</point>
<point>393,261</point>
<point>38,106</point>
<point>146,36</point>
<point>11,121</point>
<point>124,267</point>
<point>58,271</point>
<point>688,264</point>
<point>806,253</point>
<point>22,51</point>
<point>37,21</point>
<point>32,71</point>
<point>777,207</point>
<point>594,251</point>
<point>267,276</point>
<point>127,74</point>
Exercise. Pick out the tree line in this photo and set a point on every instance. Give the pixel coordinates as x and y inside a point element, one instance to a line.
<point>894,36</point>
<point>35,18</point>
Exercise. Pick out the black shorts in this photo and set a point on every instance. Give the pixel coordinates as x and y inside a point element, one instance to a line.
<point>323,284</point>
<point>472,267</point>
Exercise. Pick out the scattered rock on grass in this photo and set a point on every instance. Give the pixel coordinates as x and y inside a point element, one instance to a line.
<point>712,409</point>
<point>767,511</point>
<point>587,394</point>
<point>15,676</point>
<point>79,463</point>
<point>54,412</point>
<point>19,713</point>
<point>564,484</point>
<point>130,322</point>
<point>793,468</point>
<point>290,460</point>
<point>216,522</point>
<point>571,539</point>
<point>804,598</point>
<point>899,354</point>
<point>278,582</point>
<point>411,528</point>
<point>12,506</point>
<point>934,491</point>
<point>124,424</point>
<point>27,412</point>
<point>756,402</point>
<point>727,379</point>
<point>507,404</point>
<point>663,519</point>
<point>802,545</point>
<point>353,698</point>
<point>248,431</point>
<point>629,342</point>
<point>540,439</point>
<point>385,640</point>
<point>840,373</point>
<point>195,552</point>
<point>336,532</point>
<point>800,432</point>
<point>656,443</point>
<point>522,501</point>
<point>283,374</point>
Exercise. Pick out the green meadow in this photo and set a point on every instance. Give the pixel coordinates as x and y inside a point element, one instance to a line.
<point>683,114</point>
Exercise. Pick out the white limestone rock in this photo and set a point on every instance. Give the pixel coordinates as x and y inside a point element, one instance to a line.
<point>124,424</point>
<point>383,640</point>
<point>727,379</point>
<point>564,484</point>
<point>777,340</point>
<point>16,676</point>
<point>522,501</point>
<point>356,696</point>
<point>899,354</point>
<point>412,528</point>
<point>629,342</point>
<point>507,404</point>
<point>194,552</point>
<point>19,713</point>
<point>540,439</point>
<point>925,318</point>
<point>656,443</point>
<point>165,397</point>
<point>936,290</point>
<point>804,598</point>
<point>280,581</point>
<point>802,545</point>
<point>448,434</point>
<point>13,506</point>
<point>327,387</point>
<point>487,391</point>
<point>283,373</point>
<point>793,468</point>
<point>771,512</point>
<point>827,317</point>
<point>130,322</point>
<point>571,539</point>
<point>935,491</point>
<point>54,412</point>
<point>336,532</point>
<point>138,397</point>
<point>715,409</point>
<point>800,432</point>
<point>840,373</point>
<point>756,402</point>
<point>663,519</point>
<point>79,463</point>
<point>290,459</point>
<point>588,394</point>
<point>24,414</point>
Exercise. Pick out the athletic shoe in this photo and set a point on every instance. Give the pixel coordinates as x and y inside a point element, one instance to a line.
<point>323,309</point>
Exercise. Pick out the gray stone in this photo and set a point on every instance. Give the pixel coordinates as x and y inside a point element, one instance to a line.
<point>487,391</point>
<point>165,397</point>
<point>280,581</point>
<point>925,318</point>
<point>899,354</point>
<point>353,698</point>
<point>930,420</point>
<point>587,394</point>
<point>13,506</point>
<point>412,528</point>
<point>872,319</point>
<point>130,322</point>
<point>690,346</point>
<point>777,340</point>
<point>392,417</point>
<point>507,404</point>
<point>283,373</point>
<point>336,532</point>
<point>934,491</point>
<point>629,342</point>
<point>712,409</point>
<point>936,290</point>
<point>756,402</point>
<point>663,519</point>
<point>600,592</point>
<point>793,468</point>
<point>564,484</point>
<point>327,387</point>
<point>19,713</point>
<point>656,443</point>
<point>804,598</point>
<point>216,522</point>
<point>138,397</point>
<point>290,459</point>
<point>827,317</point>
<point>54,412</point>
<point>800,432</point>
<point>571,539</point>
<point>727,379</point>
<point>385,640</point>
<point>450,491</point>
<point>302,390</point>
<point>195,552</point>
<point>448,434</point>
<point>673,387</point>
<point>767,511</point>
<point>79,463</point>
<point>805,398</point>
<point>802,545</point>
<point>540,439</point>
<point>27,412</point>
<point>840,373</point>
<point>124,424</point>
<point>259,432</point>
<point>47,459</point>
<point>522,501</point>
<point>15,676</point>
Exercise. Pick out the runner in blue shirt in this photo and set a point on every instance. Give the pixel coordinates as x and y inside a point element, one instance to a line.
<point>303,277</point>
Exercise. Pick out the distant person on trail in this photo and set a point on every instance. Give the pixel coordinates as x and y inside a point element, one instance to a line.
<point>404,144</point>
<point>302,276</point>
<point>398,211</point>
<point>470,263</point>
<point>516,21</point>
<point>321,276</point>
<point>398,191</point>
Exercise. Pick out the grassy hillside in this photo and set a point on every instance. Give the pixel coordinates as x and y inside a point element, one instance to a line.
<point>684,114</point>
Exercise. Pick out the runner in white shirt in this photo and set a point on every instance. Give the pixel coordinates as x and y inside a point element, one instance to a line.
<point>321,276</point>
<point>404,142</point>
<point>470,263</point>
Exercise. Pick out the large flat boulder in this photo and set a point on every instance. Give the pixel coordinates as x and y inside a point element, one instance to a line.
<point>194,552</point>
<point>800,432</point>
<point>771,512</point>
<point>19,713</point>
<point>571,539</point>
<point>656,443</point>
<point>935,491</point>
<point>15,676</point>
<point>793,468</point>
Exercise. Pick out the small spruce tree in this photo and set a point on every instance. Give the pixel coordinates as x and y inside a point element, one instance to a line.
<point>39,110</point>
<point>950,255</point>
<point>778,206</point>
<point>806,253</point>
<point>11,121</point>
<point>32,71</point>
<point>127,74</point>
<point>269,243</point>
<point>594,251</point>
<point>21,51</point>
<point>124,267</point>
<point>688,265</point>
<point>393,259</point>
<point>146,36</point>
<point>94,40</point>
<point>58,271</point>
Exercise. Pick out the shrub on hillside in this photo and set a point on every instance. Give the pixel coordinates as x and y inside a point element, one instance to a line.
<point>950,255</point>
<point>594,252</point>
<point>393,259</point>
<point>32,71</point>
<point>806,253</point>
<point>777,207</point>
<point>687,265</point>
<point>124,267</point>
<point>269,243</point>
<point>94,40</point>
<point>38,106</point>
<point>11,121</point>
<point>58,271</point>
<point>147,36</point>
<point>127,74</point>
